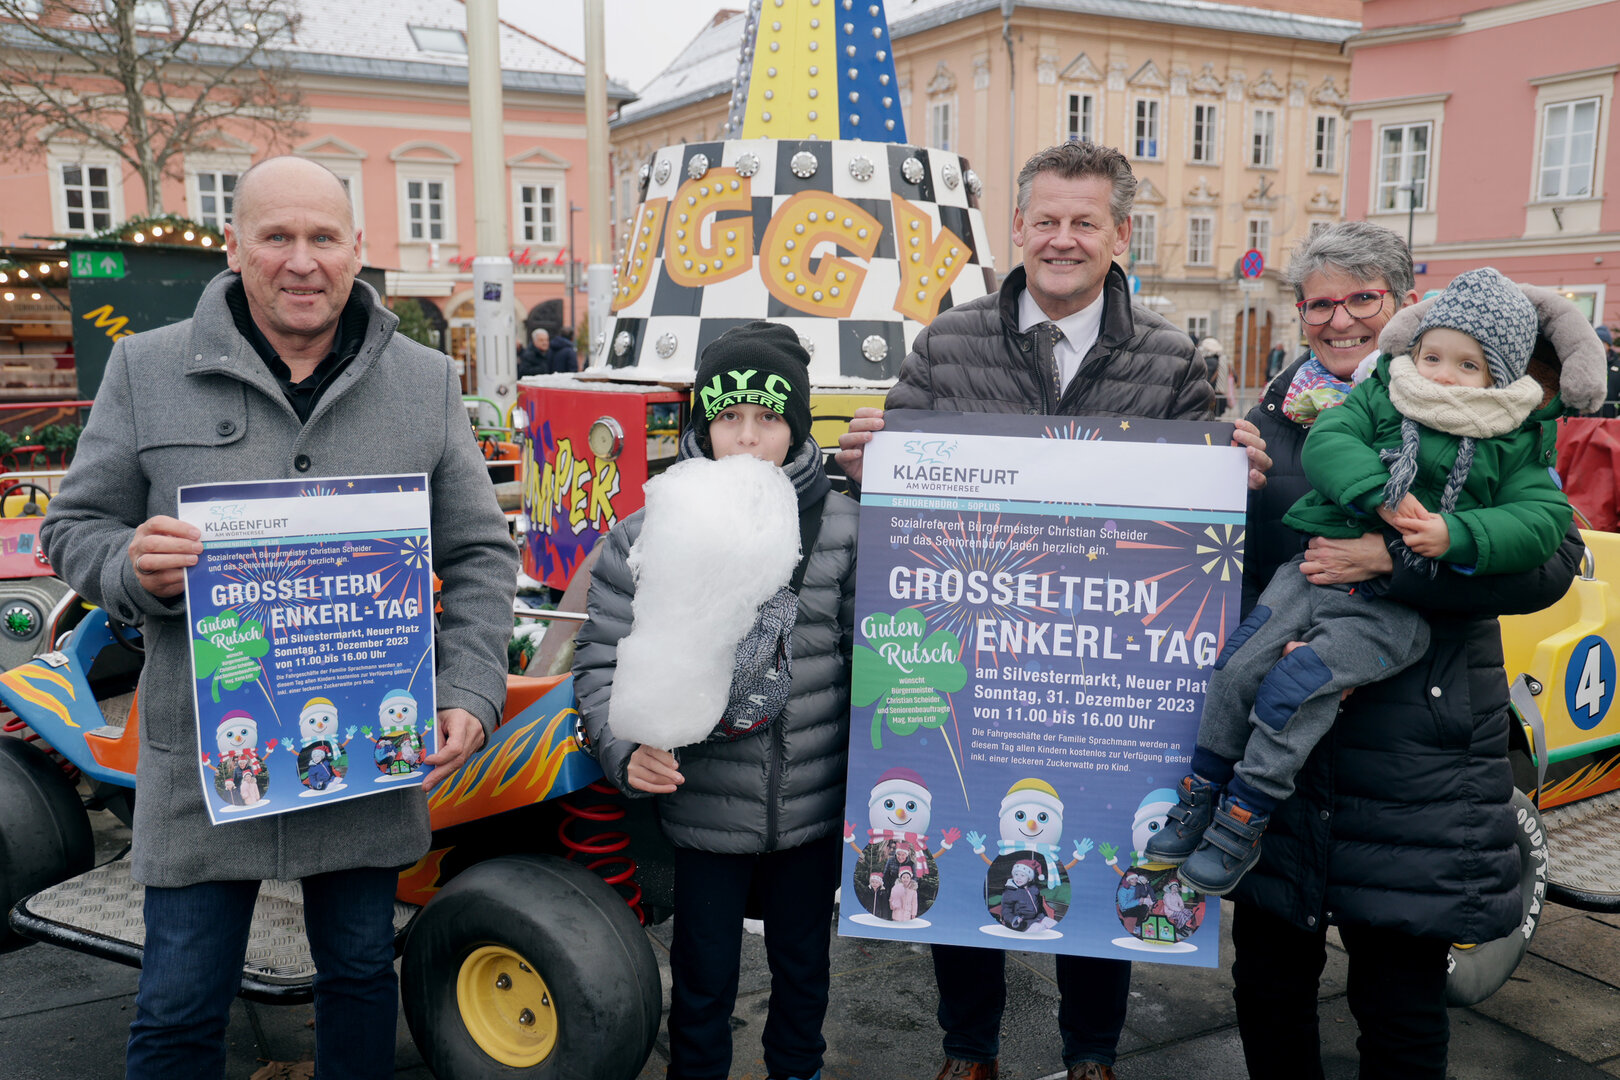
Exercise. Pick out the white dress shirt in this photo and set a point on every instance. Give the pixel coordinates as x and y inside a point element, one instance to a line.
<point>1080,332</point>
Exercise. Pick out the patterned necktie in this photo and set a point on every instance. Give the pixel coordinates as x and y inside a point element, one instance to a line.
<point>1050,333</point>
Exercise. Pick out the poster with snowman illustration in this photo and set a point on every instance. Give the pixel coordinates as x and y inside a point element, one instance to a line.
<point>1039,604</point>
<point>311,617</point>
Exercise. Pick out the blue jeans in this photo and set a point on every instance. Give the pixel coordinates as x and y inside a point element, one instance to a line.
<point>973,994</point>
<point>196,939</point>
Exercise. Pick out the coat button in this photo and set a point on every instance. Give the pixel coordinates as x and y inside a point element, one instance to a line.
<point>225,427</point>
<point>301,463</point>
<point>1310,920</point>
<point>1024,345</point>
<point>1434,691</point>
<point>1326,815</point>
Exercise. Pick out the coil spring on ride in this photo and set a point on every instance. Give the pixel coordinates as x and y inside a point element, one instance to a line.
<point>601,851</point>
<point>13,724</point>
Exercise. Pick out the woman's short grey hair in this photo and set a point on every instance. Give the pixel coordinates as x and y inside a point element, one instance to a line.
<point>1074,160</point>
<point>1360,249</point>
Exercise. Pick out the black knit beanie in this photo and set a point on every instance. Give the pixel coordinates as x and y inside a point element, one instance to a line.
<point>757,363</point>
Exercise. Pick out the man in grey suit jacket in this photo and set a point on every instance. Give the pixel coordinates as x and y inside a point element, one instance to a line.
<point>289,368</point>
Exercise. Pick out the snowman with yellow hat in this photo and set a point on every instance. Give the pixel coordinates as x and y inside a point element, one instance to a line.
<point>1030,824</point>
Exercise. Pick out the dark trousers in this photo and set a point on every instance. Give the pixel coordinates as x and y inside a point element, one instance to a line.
<point>973,994</point>
<point>196,938</point>
<point>1397,993</point>
<point>795,888</point>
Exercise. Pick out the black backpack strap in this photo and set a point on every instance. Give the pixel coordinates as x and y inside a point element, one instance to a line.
<point>809,529</point>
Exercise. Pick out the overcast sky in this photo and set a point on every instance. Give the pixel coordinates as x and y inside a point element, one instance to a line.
<point>643,36</point>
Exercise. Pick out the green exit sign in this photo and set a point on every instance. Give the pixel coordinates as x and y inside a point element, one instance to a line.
<point>98,264</point>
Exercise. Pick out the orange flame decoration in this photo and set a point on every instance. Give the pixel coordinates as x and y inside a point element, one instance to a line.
<point>418,884</point>
<point>520,769</point>
<point>22,680</point>
<point>1596,778</point>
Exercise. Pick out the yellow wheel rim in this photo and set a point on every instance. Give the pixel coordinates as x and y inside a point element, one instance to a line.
<point>507,1007</point>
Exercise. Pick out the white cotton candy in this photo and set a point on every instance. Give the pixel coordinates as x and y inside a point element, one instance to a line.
<point>718,539</point>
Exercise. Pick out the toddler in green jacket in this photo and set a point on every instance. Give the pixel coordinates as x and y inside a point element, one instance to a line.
<point>1440,445</point>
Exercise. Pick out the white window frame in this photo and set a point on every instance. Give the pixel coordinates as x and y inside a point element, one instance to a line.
<point>1208,150</point>
<point>1080,116</point>
<point>1405,112</point>
<point>1144,249</point>
<point>56,158</point>
<point>540,178</point>
<point>942,136</point>
<point>1134,137</point>
<point>1325,143</point>
<point>1198,326</point>
<point>1208,255</point>
<point>1263,137</point>
<point>216,162</point>
<point>442,170</point>
<point>1542,147</point>
<point>1407,161</point>
<point>1257,236</point>
<point>1578,215</point>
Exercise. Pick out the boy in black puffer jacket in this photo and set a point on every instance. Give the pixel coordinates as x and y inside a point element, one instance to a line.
<point>762,806</point>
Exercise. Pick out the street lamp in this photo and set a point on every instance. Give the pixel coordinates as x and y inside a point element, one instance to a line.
<point>1411,204</point>
<point>573,284</point>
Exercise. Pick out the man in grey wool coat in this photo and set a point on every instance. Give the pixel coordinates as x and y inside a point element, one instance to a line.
<point>290,368</point>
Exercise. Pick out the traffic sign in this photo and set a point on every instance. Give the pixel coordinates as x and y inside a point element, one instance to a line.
<point>98,264</point>
<point>1249,285</point>
<point>1254,263</point>
<point>1136,284</point>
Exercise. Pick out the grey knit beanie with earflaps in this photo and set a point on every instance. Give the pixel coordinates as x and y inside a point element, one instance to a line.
<point>1493,311</point>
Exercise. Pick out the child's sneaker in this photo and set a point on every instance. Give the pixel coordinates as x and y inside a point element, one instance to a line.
<point>1231,846</point>
<point>1184,827</point>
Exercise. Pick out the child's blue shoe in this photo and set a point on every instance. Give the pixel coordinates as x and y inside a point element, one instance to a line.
<point>1231,847</point>
<point>1184,827</point>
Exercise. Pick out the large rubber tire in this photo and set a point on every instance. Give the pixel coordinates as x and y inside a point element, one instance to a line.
<point>529,966</point>
<point>44,831</point>
<point>1476,972</point>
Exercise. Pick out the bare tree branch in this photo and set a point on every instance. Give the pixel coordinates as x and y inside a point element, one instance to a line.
<point>147,80</point>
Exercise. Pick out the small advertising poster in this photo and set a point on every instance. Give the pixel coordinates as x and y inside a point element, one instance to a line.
<point>311,614</point>
<point>1038,607</point>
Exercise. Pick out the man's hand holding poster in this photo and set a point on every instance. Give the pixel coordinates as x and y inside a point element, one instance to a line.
<point>311,612</point>
<point>1038,607</point>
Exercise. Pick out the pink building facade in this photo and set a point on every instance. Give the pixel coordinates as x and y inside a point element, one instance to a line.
<point>385,86</point>
<point>1484,128</point>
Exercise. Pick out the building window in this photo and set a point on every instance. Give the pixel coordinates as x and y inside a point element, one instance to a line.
<point>1258,237</point>
<point>1200,240</point>
<point>1144,238</point>
<point>1203,134</point>
<point>424,209</point>
<point>1082,118</point>
<point>1198,326</point>
<point>1403,166</point>
<point>537,214</point>
<point>216,192</point>
<point>435,39</point>
<point>940,117</point>
<point>1568,149</point>
<point>1263,148</point>
<point>1145,138</point>
<point>1325,155</point>
<point>87,194</point>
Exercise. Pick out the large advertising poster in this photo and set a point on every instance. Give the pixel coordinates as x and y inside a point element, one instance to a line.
<point>1038,606</point>
<point>311,615</point>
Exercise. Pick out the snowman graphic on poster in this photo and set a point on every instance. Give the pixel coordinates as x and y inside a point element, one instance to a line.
<point>1026,890</point>
<point>896,877</point>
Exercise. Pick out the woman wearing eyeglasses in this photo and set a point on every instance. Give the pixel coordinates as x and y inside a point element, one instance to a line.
<point>1400,830</point>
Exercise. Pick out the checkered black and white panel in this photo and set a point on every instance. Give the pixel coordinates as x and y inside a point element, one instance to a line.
<point>858,315</point>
